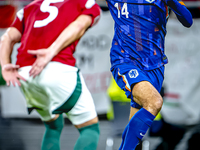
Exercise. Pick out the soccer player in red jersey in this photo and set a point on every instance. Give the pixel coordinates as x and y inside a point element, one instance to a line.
<point>49,31</point>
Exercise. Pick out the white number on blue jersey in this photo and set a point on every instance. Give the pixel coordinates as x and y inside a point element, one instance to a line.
<point>124,10</point>
<point>116,5</point>
<point>52,10</point>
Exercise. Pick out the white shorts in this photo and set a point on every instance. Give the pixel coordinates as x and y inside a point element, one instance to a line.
<point>58,89</point>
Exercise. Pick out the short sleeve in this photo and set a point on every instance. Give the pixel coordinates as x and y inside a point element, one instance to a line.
<point>90,7</point>
<point>18,22</point>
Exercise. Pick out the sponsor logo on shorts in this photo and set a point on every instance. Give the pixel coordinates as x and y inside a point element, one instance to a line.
<point>150,1</point>
<point>142,134</point>
<point>133,73</point>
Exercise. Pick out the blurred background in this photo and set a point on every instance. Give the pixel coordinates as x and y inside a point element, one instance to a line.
<point>177,127</point>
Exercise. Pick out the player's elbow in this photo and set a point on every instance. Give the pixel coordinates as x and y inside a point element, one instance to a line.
<point>80,26</point>
<point>5,37</point>
<point>80,29</point>
<point>11,36</point>
<point>83,22</point>
<point>0,40</point>
<point>187,20</point>
<point>6,40</point>
<point>187,23</point>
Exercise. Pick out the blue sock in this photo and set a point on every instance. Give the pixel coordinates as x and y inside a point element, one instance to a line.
<point>123,137</point>
<point>136,129</point>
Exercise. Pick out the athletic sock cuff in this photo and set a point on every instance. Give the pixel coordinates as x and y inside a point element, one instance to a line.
<point>56,124</point>
<point>145,116</point>
<point>94,126</point>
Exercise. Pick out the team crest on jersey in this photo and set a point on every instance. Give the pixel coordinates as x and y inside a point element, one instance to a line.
<point>150,1</point>
<point>133,73</point>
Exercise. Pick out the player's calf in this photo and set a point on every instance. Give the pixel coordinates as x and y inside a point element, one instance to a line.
<point>89,137</point>
<point>51,139</point>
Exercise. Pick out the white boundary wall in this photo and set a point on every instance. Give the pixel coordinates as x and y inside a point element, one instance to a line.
<point>182,74</point>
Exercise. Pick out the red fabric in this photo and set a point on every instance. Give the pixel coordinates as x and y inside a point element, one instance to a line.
<point>49,25</point>
<point>7,15</point>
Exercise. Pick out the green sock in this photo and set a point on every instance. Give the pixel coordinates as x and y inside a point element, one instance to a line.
<point>2,81</point>
<point>89,137</point>
<point>51,138</point>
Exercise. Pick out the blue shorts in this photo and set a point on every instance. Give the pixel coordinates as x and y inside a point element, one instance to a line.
<point>127,75</point>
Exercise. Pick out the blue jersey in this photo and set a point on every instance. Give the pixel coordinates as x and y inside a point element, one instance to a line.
<point>140,29</point>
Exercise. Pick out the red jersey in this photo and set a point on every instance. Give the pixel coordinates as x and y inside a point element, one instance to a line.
<point>42,21</point>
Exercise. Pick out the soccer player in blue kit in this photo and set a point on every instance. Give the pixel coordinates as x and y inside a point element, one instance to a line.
<point>138,59</point>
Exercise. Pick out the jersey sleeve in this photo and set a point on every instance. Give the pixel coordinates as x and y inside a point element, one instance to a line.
<point>90,7</point>
<point>18,23</point>
<point>182,13</point>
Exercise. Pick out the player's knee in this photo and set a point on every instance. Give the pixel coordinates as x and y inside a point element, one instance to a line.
<point>92,130</point>
<point>156,104</point>
<point>89,137</point>
<point>57,124</point>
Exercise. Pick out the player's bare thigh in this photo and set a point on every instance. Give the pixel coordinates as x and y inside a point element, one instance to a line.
<point>147,96</point>
<point>90,122</point>
<point>53,119</point>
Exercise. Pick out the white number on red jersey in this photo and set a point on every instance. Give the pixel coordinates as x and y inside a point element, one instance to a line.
<point>52,10</point>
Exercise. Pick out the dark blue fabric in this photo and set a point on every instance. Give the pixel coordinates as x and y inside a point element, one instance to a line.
<point>136,129</point>
<point>140,29</point>
<point>182,13</point>
<point>127,75</point>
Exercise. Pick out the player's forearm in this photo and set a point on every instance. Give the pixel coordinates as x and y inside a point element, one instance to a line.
<point>5,50</point>
<point>182,13</point>
<point>73,32</point>
<point>8,40</point>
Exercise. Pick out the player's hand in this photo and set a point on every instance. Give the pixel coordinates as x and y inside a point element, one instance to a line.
<point>11,75</point>
<point>44,56</point>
